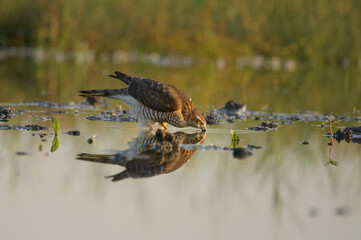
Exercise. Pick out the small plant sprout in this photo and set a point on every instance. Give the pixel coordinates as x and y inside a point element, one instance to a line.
<point>235,139</point>
<point>56,124</point>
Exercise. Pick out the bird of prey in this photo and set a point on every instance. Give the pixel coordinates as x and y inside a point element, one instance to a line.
<point>153,102</point>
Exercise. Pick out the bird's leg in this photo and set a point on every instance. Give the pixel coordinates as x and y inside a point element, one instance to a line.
<point>163,125</point>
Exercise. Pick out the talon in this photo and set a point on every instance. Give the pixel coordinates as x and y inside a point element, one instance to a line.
<point>163,124</point>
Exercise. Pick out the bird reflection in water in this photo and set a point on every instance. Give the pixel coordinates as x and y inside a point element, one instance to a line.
<point>151,154</point>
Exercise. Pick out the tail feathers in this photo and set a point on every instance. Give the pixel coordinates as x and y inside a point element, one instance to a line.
<point>121,76</point>
<point>102,158</point>
<point>111,93</point>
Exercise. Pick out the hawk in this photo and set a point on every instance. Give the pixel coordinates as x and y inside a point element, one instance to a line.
<point>151,101</point>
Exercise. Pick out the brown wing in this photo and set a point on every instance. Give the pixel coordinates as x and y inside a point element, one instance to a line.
<point>155,95</point>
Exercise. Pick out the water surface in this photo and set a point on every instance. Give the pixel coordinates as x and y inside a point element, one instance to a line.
<point>282,191</point>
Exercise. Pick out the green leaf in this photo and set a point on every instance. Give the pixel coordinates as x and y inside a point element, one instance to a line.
<point>56,124</point>
<point>55,144</point>
<point>235,139</point>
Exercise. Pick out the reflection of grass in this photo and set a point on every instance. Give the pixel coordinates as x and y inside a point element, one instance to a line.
<point>284,164</point>
<point>56,126</point>
<point>55,143</point>
<point>206,28</point>
<point>330,161</point>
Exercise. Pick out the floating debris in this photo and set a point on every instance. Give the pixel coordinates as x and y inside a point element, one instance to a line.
<point>73,133</point>
<point>20,153</point>
<point>41,135</point>
<point>304,143</point>
<point>91,140</point>
<point>251,147</point>
<point>265,126</point>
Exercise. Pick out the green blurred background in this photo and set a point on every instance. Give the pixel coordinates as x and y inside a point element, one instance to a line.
<point>323,31</point>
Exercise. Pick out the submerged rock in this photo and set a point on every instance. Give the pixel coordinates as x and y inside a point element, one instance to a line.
<point>233,109</point>
<point>349,134</point>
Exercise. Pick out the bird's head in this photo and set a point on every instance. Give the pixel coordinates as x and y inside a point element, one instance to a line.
<point>197,120</point>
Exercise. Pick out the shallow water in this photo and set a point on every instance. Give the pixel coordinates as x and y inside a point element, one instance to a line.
<point>283,191</point>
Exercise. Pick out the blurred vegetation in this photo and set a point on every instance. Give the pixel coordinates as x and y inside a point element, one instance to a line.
<point>327,89</point>
<point>322,31</point>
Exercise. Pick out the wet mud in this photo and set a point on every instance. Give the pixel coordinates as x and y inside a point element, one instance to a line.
<point>232,111</point>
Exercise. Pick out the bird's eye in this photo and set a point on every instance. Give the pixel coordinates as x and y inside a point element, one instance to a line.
<point>199,122</point>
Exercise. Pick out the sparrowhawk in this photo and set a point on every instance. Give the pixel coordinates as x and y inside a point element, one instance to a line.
<point>151,101</point>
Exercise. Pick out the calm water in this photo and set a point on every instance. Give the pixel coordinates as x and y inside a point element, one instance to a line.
<point>282,191</point>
